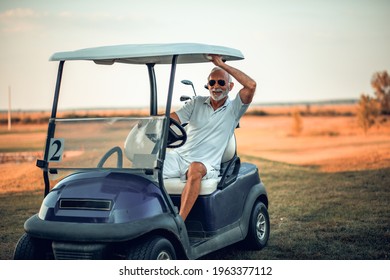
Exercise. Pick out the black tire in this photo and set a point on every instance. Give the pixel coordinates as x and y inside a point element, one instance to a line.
<point>259,227</point>
<point>29,248</point>
<point>152,248</point>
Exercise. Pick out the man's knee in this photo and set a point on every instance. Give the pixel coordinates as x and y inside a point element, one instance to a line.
<point>196,170</point>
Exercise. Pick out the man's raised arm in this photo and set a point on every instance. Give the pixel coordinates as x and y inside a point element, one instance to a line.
<point>249,85</point>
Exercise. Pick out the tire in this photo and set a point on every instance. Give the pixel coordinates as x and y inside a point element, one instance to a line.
<point>29,248</point>
<point>152,248</point>
<point>259,227</point>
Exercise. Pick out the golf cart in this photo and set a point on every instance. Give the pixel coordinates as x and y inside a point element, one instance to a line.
<point>105,196</point>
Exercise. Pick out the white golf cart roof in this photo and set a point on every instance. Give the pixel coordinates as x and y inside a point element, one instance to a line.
<point>149,53</point>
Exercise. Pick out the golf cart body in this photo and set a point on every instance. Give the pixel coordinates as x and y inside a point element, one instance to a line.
<point>110,199</point>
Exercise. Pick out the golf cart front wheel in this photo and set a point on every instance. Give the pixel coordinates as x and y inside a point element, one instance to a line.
<point>29,248</point>
<point>152,248</point>
<point>259,227</point>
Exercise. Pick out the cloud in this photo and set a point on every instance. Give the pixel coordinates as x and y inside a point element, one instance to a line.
<point>100,16</point>
<point>66,14</point>
<point>18,20</point>
<point>18,13</point>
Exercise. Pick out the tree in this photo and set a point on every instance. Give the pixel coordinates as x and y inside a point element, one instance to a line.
<point>380,82</point>
<point>367,111</point>
<point>297,125</point>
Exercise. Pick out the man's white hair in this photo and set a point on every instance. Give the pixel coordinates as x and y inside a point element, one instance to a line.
<point>217,68</point>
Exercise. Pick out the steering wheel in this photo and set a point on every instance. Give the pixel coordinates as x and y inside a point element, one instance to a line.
<point>176,136</point>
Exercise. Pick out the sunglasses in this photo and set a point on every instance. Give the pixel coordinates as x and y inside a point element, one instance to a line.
<point>220,82</point>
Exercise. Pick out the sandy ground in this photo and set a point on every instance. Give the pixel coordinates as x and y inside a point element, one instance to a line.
<point>331,143</point>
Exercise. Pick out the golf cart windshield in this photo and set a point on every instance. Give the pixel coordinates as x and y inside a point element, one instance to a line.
<point>105,143</point>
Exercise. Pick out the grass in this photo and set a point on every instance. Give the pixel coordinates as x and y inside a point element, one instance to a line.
<point>23,138</point>
<point>314,215</point>
<point>14,210</point>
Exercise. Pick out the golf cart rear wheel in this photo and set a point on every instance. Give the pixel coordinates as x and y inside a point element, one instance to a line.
<point>259,227</point>
<point>152,248</point>
<point>29,248</point>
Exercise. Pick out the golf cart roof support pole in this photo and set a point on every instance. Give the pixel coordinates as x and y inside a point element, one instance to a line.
<point>51,127</point>
<point>169,101</point>
<point>171,84</point>
<point>162,153</point>
<point>153,89</point>
<point>57,90</point>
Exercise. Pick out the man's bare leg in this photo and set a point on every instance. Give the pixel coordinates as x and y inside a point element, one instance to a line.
<point>195,173</point>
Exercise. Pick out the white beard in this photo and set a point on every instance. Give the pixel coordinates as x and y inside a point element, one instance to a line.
<point>222,94</point>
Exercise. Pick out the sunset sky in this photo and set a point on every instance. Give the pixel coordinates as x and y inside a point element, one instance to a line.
<point>296,50</point>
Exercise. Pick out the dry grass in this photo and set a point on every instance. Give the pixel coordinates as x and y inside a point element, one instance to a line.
<point>327,216</point>
<point>314,215</point>
<point>333,143</point>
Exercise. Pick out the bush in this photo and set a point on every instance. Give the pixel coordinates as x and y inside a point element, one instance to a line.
<point>297,125</point>
<point>380,82</point>
<point>367,112</point>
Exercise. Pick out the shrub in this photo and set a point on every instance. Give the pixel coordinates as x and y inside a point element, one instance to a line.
<point>297,125</point>
<point>380,82</point>
<point>367,112</point>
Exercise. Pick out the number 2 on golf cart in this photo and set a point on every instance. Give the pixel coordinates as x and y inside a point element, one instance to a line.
<point>56,149</point>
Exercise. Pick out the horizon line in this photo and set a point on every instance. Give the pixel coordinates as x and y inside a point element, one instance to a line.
<point>270,103</point>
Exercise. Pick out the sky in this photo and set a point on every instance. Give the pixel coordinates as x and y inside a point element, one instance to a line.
<point>296,50</point>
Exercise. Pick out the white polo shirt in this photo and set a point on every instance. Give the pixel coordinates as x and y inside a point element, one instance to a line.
<point>209,131</point>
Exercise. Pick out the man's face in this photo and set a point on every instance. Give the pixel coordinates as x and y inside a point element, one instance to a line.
<point>218,85</point>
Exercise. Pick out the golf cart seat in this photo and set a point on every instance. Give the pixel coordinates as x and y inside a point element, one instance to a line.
<point>140,147</point>
<point>229,168</point>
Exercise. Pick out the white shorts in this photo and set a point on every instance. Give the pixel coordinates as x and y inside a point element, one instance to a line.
<point>176,167</point>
